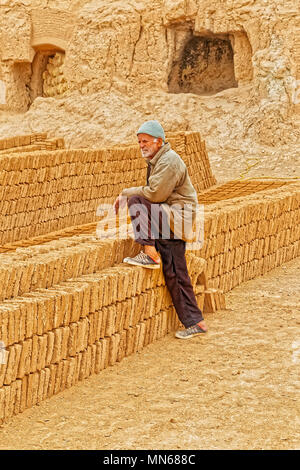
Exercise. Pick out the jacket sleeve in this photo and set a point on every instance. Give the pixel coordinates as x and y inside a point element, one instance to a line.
<point>161,183</point>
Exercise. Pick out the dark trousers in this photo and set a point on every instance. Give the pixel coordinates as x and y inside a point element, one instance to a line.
<point>172,251</point>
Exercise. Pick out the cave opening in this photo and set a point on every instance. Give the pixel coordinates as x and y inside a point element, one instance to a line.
<point>204,65</point>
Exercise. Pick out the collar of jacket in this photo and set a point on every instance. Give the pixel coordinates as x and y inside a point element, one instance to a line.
<point>161,151</point>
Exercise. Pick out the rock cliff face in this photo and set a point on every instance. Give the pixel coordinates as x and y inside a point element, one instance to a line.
<point>227,68</point>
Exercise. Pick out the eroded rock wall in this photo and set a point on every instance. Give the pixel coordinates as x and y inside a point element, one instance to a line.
<point>120,58</point>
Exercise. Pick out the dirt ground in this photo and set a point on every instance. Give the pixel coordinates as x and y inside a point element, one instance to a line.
<point>235,388</point>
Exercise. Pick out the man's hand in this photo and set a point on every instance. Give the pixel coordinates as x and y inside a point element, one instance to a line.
<point>119,203</point>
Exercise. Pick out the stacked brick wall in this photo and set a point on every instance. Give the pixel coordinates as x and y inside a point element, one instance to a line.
<point>247,237</point>
<point>46,191</point>
<point>29,143</point>
<point>68,306</point>
<point>60,333</point>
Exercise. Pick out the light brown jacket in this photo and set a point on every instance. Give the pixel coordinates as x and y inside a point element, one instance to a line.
<point>169,184</point>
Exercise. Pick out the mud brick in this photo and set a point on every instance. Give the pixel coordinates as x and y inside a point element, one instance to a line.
<point>119,317</point>
<point>86,291</point>
<point>77,299</point>
<point>158,298</point>
<point>17,397</point>
<point>164,322</point>
<point>137,329</point>
<point>25,359</point>
<point>152,302</point>
<point>111,320</point>
<point>93,358</point>
<point>211,247</point>
<point>147,331</point>
<point>2,403</point>
<point>103,317</point>
<point>34,353</point>
<point>126,312</point>
<point>231,260</point>
<point>73,339</point>
<point>230,280</point>
<point>122,346</point>
<point>50,346</point>
<point>92,329</point>
<point>220,241</point>
<point>105,352</point>
<point>136,286</point>
<point>283,236</point>
<point>134,309</point>
<point>32,391</point>
<point>64,374</point>
<point>56,357</point>
<point>167,300</point>
<point>10,363</point>
<point>106,293</point>
<point>78,359</point>
<point>209,267</point>
<point>3,365</point>
<point>42,352</point>
<point>70,373</point>
<point>141,307</point>
<point>65,341</point>
<point>94,297</point>
<point>216,266</point>
<point>99,346</point>
<point>141,337</point>
<point>153,332</point>
<point>15,365</point>
<point>123,282</point>
<point>159,326</point>
<point>58,378</point>
<point>130,341</point>
<point>13,286</point>
<point>209,301</point>
<point>4,311</point>
<point>147,279</point>
<point>23,401</point>
<point>113,349</point>
<point>260,268</point>
<point>227,241</point>
<point>9,399</point>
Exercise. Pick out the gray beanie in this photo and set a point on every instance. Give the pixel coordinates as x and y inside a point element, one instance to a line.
<point>152,128</point>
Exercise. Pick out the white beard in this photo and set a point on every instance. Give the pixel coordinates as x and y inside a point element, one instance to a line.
<point>146,153</point>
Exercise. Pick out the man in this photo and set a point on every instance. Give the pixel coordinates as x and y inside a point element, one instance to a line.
<point>162,214</point>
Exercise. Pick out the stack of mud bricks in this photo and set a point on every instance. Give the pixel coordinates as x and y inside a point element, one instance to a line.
<point>54,83</point>
<point>68,306</point>
<point>247,237</point>
<point>29,143</point>
<point>46,191</point>
<point>69,309</point>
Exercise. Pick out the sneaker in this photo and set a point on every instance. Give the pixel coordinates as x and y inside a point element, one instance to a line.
<point>143,260</point>
<point>189,332</point>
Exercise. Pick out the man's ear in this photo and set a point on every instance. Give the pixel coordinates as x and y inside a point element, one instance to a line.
<point>160,141</point>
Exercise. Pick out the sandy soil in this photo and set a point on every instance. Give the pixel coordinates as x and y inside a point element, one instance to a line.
<point>235,388</point>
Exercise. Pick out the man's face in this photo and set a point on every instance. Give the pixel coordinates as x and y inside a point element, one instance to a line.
<point>149,145</point>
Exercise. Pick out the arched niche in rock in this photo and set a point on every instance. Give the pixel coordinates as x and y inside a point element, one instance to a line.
<point>47,77</point>
<point>206,63</point>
